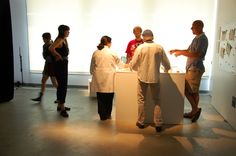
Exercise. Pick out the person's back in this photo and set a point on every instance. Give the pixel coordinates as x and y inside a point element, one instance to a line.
<point>151,56</point>
<point>105,59</point>
<point>102,69</point>
<point>46,51</point>
<point>146,61</point>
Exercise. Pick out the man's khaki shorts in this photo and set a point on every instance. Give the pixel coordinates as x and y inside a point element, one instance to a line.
<point>193,80</point>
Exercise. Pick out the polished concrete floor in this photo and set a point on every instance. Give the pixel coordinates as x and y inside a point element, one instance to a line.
<point>37,129</point>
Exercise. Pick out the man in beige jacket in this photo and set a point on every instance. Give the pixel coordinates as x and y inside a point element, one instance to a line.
<point>147,60</point>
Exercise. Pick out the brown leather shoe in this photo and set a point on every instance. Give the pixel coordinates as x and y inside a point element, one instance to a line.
<point>196,115</point>
<point>188,115</point>
<point>139,125</point>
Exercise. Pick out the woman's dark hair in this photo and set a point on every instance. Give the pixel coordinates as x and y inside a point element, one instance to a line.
<point>47,35</point>
<point>62,29</point>
<point>104,41</point>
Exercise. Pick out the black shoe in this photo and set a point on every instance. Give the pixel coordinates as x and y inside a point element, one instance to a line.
<point>66,108</point>
<point>103,119</point>
<point>37,99</point>
<point>56,101</point>
<point>139,125</point>
<point>197,115</point>
<point>64,114</point>
<point>158,129</point>
<point>187,115</point>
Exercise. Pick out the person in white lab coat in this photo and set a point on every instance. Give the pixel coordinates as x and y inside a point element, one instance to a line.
<point>146,61</point>
<point>102,68</point>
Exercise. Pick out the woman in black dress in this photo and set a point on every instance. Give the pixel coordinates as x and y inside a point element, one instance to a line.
<point>60,51</point>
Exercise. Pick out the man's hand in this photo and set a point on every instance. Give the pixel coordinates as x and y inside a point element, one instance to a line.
<point>172,51</point>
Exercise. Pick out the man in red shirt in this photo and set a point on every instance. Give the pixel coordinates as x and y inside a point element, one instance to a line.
<point>133,44</point>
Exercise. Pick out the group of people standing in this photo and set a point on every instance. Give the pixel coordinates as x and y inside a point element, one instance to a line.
<point>56,66</point>
<point>143,56</point>
<point>146,57</point>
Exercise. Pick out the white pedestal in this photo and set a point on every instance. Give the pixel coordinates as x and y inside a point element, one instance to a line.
<point>172,98</point>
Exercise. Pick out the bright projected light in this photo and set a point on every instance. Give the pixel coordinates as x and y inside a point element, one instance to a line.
<point>89,20</point>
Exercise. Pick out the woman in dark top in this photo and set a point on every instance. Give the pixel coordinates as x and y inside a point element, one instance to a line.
<point>60,51</point>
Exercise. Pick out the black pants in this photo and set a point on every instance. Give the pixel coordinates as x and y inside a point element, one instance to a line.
<point>104,105</point>
<point>61,73</point>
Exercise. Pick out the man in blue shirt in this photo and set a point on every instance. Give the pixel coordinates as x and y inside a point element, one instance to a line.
<point>194,67</point>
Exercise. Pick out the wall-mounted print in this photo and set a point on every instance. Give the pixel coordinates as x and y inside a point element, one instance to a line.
<point>227,48</point>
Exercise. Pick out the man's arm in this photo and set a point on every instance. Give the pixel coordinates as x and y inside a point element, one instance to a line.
<point>186,53</point>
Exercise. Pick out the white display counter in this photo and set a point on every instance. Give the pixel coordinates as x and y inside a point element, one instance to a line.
<point>172,98</point>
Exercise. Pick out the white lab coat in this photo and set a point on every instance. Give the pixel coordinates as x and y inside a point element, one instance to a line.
<point>102,68</point>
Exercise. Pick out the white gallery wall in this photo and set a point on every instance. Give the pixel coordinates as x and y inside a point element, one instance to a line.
<point>89,20</point>
<point>223,82</point>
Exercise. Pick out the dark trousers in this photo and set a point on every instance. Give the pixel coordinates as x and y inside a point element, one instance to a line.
<point>104,105</point>
<point>61,73</point>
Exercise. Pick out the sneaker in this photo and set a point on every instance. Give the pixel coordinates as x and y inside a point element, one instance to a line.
<point>158,129</point>
<point>66,108</point>
<point>139,125</point>
<point>64,114</point>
